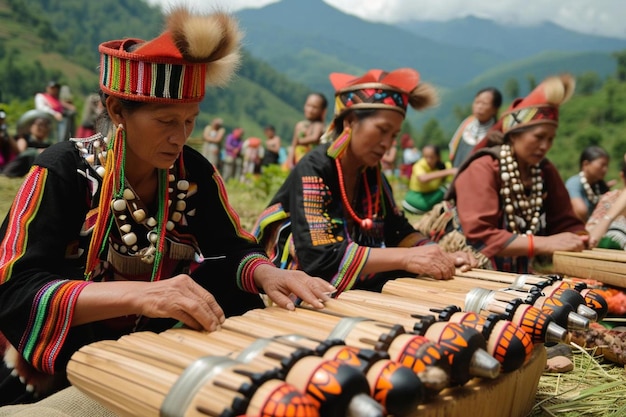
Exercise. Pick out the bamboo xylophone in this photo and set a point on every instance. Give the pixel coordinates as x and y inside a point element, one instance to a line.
<point>473,297</point>
<point>606,265</point>
<point>273,362</point>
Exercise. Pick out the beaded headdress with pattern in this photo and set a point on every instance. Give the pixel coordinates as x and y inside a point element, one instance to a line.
<point>194,50</point>
<point>379,90</point>
<point>541,105</point>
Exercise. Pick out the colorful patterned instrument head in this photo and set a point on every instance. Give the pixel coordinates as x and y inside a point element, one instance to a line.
<point>397,388</point>
<point>284,400</point>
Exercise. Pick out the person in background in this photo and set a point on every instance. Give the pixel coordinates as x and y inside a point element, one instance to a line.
<point>50,102</point>
<point>29,146</point>
<point>213,135</point>
<point>410,155</point>
<point>92,109</point>
<point>232,154</point>
<point>68,126</point>
<point>335,216</point>
<point>510,200</point>
<point>8,146</point>
<point>252,151</point>
<point>484,115</point>
<point>586,187</point>
<point>429,181</point>
<point>607,223</point>
<point>388,163</point>
<point>308,132</point>
<point>141,238</point>
<point>271,155</point>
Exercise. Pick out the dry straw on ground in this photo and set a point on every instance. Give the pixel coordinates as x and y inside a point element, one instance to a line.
<point>593,388</point>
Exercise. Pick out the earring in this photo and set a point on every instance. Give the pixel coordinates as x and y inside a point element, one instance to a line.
<point>339,146</point>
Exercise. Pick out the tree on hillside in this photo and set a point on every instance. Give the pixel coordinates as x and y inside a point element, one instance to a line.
<point>432,134</point>
<point>461,112</point>
<point>620,57</point>
<point>511,88</point>
<point>532,82</point>
<point>613,113</point>
<point>587,83</point>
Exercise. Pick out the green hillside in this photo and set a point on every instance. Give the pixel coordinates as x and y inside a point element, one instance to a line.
<point>536,68</point>
<point>38,44</point>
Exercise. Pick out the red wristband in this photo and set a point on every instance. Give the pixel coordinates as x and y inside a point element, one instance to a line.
<point>531,245</point>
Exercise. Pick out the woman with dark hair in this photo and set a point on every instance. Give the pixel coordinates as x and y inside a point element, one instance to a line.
<point>335,216</point>
<point>429,181</point>
<point>510,201</point>
<point>485,108</point>
<point>133,232</point>
<point>586,187</point>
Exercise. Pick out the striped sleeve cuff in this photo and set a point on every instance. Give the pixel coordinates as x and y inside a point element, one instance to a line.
<point>245,272</point>
<point>49,323</point>
<point>351,266</point>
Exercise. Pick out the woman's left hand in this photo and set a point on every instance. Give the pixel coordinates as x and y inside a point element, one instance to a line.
<point>281,285</point>
<point>464,260</point>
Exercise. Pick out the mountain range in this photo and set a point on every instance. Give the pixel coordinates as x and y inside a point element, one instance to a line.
<point>308,39</point>
<point>290,48</point>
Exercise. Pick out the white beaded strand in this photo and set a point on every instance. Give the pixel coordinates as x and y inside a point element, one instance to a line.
<point>515,199</point>
<point>593,194</point>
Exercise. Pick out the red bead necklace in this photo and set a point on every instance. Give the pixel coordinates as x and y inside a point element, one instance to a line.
<point>367,223</point>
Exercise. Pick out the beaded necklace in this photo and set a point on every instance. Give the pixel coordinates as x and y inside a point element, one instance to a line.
<point>127,212</point>
<point>593,194</point>
<point>368,222</point>
<point>518,206</point>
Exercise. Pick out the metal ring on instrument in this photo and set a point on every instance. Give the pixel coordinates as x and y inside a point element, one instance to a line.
<point>253,349</point>
<point>190,381</point>
<point>345,325</point>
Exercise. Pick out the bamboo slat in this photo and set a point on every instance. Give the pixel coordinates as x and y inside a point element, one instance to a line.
<point>601,265</point>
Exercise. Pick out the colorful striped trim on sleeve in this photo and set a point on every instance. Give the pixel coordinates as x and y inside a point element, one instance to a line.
<point>232,215</point>
<point>49,323</point>
<point>350,268</point>
<point>24,209</point>
<point>270,215</point>
<point>245,272</point>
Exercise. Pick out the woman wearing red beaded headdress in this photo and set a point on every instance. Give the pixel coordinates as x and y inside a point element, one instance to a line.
<point>133,232</point>
<point>511,201</point>
<point>335,216</point>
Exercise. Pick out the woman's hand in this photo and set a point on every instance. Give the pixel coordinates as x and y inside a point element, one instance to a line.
<point>566,241</point>
<point>433,261</point>
<point>464,260</point>
<point>281,285</point>
<point>183,299</point>
<point>179,298</point>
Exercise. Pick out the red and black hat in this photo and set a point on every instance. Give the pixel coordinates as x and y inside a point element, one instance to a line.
<point>540,106</point>
<point>194,50</point>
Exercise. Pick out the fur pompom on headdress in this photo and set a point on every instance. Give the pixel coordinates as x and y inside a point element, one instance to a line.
<point>540,106</point>
<point>194,50</point>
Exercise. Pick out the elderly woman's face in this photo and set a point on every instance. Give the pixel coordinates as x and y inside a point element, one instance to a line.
<point>531,146</point>
<point>156,133</point>
<point>483,108</point>
<point>374,135</point>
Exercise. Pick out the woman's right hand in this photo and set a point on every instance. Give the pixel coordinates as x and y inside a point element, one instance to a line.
<point>183,299</point>
<point>566,241</point>
<point>430,260</point>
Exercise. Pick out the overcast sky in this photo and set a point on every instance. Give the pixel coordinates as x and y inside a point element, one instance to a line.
<point>599,17</point>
